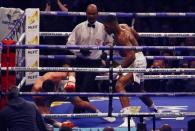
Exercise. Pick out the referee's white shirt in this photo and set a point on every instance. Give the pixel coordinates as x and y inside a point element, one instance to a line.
<point>84,35</point>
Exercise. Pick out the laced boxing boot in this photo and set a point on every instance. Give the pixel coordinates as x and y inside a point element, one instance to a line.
<point>153,108</point>
<point>108,119</point>
<point>127,110</point>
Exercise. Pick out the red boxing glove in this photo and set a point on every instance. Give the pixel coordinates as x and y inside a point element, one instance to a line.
<point>70,84</point>
<point>67,124</point>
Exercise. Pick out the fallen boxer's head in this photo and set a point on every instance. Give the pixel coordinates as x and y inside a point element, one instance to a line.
<point>110,24</point>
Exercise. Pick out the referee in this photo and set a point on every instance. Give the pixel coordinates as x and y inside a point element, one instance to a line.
<point>89,32</point>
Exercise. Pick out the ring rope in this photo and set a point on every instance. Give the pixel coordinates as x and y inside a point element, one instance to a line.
<point>94,47</point>
<point>146,34</point>
<point>94,94</point>
<point>19,86</point>
<point>115,70</point>
<point>62,57</point>
<point>100,115</point>
<point>122,14</point>
<point>22,37</point>
<point>154,77</point>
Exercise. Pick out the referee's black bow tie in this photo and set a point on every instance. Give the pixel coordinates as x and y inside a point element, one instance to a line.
<point>91,25</point>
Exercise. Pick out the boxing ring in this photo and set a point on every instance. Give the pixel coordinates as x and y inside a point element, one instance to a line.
<point>111,110</point>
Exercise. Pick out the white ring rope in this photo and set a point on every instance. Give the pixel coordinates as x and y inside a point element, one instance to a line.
<point>154,77</point>
<point>116,57</point>
<point>100,115</point>
<point>21,39</point>
<point>141,34</point>
<point>21,83</point>
<point>92,94</point>
<point>94,47</point>
<point>115,70</point>
<point>123,14</point>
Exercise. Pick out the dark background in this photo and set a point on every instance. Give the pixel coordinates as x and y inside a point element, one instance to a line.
<point>110,5</point>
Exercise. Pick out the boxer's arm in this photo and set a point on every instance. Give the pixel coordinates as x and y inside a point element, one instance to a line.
<point>134,33</point>
<point>128,60</point>
<point>37,85</point>
<point>132,30</point>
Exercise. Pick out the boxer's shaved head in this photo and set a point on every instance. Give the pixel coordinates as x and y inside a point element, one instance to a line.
<point>110,24</point>
<point>92,13</point>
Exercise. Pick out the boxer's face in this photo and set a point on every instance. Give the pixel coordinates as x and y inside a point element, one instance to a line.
<point>109,28</point>
<point>91,15</point>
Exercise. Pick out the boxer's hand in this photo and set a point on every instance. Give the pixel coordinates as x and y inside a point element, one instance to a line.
<point>85,52</point>
<point>117,75</point>
<point>119,67</point>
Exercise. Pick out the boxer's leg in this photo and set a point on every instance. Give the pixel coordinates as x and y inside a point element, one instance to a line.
<point>145,99</point>
<point>120,88</point>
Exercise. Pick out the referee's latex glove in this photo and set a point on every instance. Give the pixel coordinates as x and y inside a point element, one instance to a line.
<point>85,52</point>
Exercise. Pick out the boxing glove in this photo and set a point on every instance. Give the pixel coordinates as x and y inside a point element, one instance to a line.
<point>67,124</point>
<point>70,85</point>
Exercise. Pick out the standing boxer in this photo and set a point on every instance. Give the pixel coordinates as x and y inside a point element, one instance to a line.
<point>126,36</point>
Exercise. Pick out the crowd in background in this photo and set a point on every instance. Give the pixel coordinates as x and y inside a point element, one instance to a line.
<point>63,24</point>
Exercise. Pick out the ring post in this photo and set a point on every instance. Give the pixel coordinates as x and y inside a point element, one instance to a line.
<point>154,122</point>
<point>129,125</point>
<point>111,85</point>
